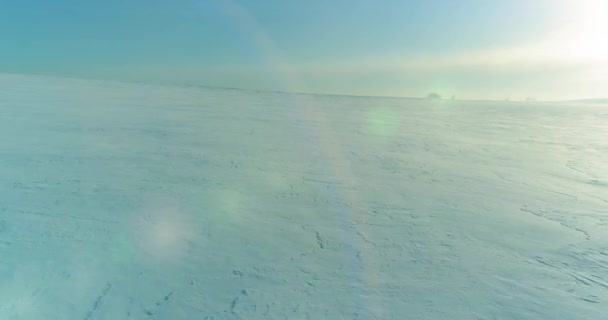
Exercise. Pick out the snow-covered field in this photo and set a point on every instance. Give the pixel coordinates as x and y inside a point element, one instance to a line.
<point>129,201</point>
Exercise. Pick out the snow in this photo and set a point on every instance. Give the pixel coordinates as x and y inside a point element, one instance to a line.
<point>134,201</point>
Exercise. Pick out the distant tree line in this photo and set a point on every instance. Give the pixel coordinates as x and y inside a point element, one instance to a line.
<point>433,96</point>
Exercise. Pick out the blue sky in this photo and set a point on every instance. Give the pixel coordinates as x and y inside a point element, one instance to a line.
<point>479,49</point>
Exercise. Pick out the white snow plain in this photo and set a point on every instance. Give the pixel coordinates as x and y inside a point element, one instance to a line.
<point>133,201</point>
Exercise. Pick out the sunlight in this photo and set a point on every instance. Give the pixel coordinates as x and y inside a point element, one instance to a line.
<point>584,31</point>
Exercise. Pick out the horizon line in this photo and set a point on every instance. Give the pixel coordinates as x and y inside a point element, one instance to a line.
<point>206,86</point>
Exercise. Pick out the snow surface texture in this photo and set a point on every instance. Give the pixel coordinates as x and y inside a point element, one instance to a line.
<point>128,201</point>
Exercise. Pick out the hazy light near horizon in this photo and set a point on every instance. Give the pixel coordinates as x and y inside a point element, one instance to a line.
<point>568,61</point>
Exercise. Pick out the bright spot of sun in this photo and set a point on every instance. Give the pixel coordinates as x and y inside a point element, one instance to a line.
<point>583,32</point>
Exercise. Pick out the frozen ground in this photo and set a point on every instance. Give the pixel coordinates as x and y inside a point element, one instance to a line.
<point>127,201</point>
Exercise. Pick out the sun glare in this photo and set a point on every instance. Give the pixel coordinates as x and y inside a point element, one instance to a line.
<point>584,32</point>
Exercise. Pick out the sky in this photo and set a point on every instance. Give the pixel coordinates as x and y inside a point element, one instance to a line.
<point>471,49</point>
